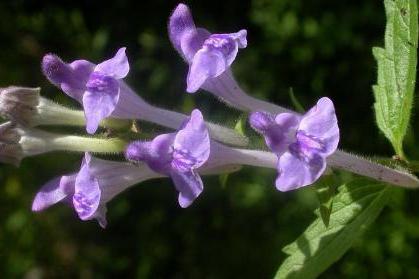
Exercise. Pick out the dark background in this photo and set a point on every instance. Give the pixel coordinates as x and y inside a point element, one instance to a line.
<point>319,48</point>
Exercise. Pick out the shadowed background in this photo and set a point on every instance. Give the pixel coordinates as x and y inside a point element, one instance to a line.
<point>235,229</point>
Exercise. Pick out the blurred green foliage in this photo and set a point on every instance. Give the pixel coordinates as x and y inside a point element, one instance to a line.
<point>319,48</point>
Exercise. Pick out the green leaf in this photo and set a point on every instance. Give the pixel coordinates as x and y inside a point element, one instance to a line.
<point>241,124</point>
<point>357,205</point>
<point>325,190</point>
<point>396,71</point>
<point>413,165</point>
<point>223,178</point>
<point>240,129</point>
<point>295,102</point>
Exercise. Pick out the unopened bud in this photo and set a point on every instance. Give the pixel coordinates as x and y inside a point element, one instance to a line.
<point>19,104</point>
<point>10,150</point>
<point>10,154</point>
<point>8,134</point>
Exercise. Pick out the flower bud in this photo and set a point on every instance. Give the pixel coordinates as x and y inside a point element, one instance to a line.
<point>10,154</point>
<point>10,150</point>
<point>19,103</point>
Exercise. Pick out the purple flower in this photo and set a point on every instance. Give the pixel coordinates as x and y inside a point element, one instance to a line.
<point>301,143</point>
<point>209,55</point>
<point>88,191</point>
<point>177,155</point>
<point>97,88</point>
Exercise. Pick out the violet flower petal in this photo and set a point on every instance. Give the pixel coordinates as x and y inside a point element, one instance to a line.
<point>180,22</point>
<point>278,131</point>
<point>81,70</point>
<point>288,121</point>
<point>100,99</point>
<point>226,44</point>
<point>261,121</point>
<point>87,192</point>
<point>192,42</point>
<point>54,191</point>
<point>191,144</point>
<point>205,64</point>
<point>156,153</point>
<point>295,172</point>
<point>240,37</point>
<point>286,124</point>
<point>137,151</point>
<point>320,123</point>
<point>190,186</point>
<point>116,67</point>
<point>71,78</point>
<point>160,153</point>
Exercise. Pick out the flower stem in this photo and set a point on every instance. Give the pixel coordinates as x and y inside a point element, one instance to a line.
<point>51,113</point>
<point>362,166</point>
<point>34,141</point>
<point>88,144</point>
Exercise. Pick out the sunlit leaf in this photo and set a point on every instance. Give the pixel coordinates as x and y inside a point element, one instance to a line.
<point>325,190</point>
<point>356,206</point>
<point>396,71</point>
